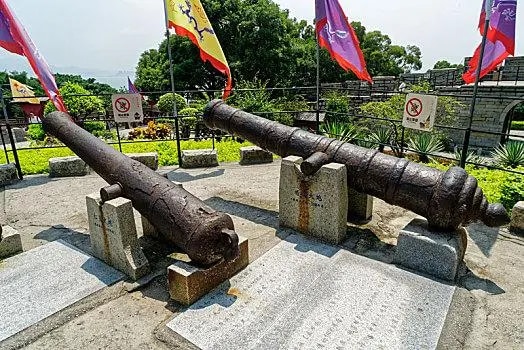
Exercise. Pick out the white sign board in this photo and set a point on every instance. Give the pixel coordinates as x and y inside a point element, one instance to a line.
<point>127,108</point>
<point>420,112</point>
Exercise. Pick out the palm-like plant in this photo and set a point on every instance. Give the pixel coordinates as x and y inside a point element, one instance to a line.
<point>380,138</point>
<point>425,144</point>
<point>341,131</point>
<point>510,154</point>
<point>471,157</point>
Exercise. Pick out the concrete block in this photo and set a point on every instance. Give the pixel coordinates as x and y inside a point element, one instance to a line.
<point>19,134</point>
<point>188,283</point>
<point>67,166</point>
<point>203,158</point>
<point>148,159</point>
<point>10,242</point>
<point>315,205</point>
<point>7,174</point>
<point>517,219</point>
<point>438,254</point>
<point>114,237</point>
<point>255,155</point>
<point>360,207</point>
<point>148,229</point>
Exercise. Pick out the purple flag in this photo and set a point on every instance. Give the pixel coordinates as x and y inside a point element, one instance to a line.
<point>336,35</point>
<point>500,41</point>
<point>131,87</point>
<point>14,38</point>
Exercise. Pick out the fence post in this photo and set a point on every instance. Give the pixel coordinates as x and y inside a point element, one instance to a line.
<point>402,142</point>
<point>15,153</point>
<point>3,144</point>
<point>118,138</point>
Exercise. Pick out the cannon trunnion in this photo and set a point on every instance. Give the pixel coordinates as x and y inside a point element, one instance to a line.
<point>447,199</point>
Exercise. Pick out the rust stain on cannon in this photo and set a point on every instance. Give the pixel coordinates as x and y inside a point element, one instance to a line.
<point>205,235</point>
<point>446,199</point>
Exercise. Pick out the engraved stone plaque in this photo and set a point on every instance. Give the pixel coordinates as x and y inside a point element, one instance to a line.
<point>308,295</point>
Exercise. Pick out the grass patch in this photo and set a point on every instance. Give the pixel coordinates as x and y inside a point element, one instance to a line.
<point>517,125</point>
<point>36,161</point>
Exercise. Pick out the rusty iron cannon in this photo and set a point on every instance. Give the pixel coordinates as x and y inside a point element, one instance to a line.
<point>206,235</point>
<point>446,199</point>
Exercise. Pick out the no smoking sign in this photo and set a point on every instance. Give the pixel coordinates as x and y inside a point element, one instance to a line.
<point>420,112</point>
<point>127,108</point>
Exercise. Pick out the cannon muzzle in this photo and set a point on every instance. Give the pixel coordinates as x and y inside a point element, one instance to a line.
<point>446,199</point>
<point>206,235</point>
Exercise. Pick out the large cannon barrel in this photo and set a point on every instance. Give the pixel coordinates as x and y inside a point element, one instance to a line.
<point>206,235</point>
<point>446,199</point>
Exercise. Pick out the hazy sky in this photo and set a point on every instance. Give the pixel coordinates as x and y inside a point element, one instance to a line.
<point>111,34</point>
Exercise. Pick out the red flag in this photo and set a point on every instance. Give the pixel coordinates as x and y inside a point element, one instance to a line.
<point>500,42</point>
<point>15,39</point>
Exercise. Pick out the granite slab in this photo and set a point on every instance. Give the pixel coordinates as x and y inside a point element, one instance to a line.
<point>45,280</point>
<point>303,294</point>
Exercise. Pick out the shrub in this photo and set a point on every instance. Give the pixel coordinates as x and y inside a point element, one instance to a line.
<point>471,157</point>
<point>165,103</point>
<point>36,132</point>
<point>510,154</point>
<point>92,126</point>
<point>78,106</point>
<point>189,112</point>
<point>105,134</point>
<point>512,191</point>
<point>425,144</point>
<point>337,107</point>
<point>153,131</point>
<point>294,104</point>
<point>253,97</point>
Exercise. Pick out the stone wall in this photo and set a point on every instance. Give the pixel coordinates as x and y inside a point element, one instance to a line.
<point>490,112</point>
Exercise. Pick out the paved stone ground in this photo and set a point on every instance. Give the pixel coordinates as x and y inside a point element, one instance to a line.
<point>486,310</point>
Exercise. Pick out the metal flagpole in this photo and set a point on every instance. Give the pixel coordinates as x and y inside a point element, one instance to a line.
<point>467,136</point>
<point>318,84</point>
<point>172,76</point>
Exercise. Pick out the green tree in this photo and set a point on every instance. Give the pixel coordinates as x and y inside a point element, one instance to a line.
<point>165,103</point>
<point>443,64</point>
<point>78,106</point>
<point>262,42</point>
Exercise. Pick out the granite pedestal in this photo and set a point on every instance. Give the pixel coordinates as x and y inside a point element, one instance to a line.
<point>315,205</point>
<point>113,235</point>
<point>360,207</point>
<point>148,159</point>
<point>204,158</point>
<point>517,219</point>
<point>10,242</point>
<point>188,283</point>
<point>439,254</point>
<point>67,166</point>
<point>8,174</point>
<point>255,155</point>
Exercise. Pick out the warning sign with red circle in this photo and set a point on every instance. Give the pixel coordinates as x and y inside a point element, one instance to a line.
<point>420,112</point>
<point>127,108</point>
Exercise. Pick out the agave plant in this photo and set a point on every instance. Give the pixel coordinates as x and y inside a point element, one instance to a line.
<point>510,154</point>
<point>341,131</point>
<point>425,144</point>
<point>380,138</point>
<point>471,157</point>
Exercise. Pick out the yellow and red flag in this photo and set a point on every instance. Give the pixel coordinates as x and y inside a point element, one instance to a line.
<point>188,18</point>
<point>22,92</point>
